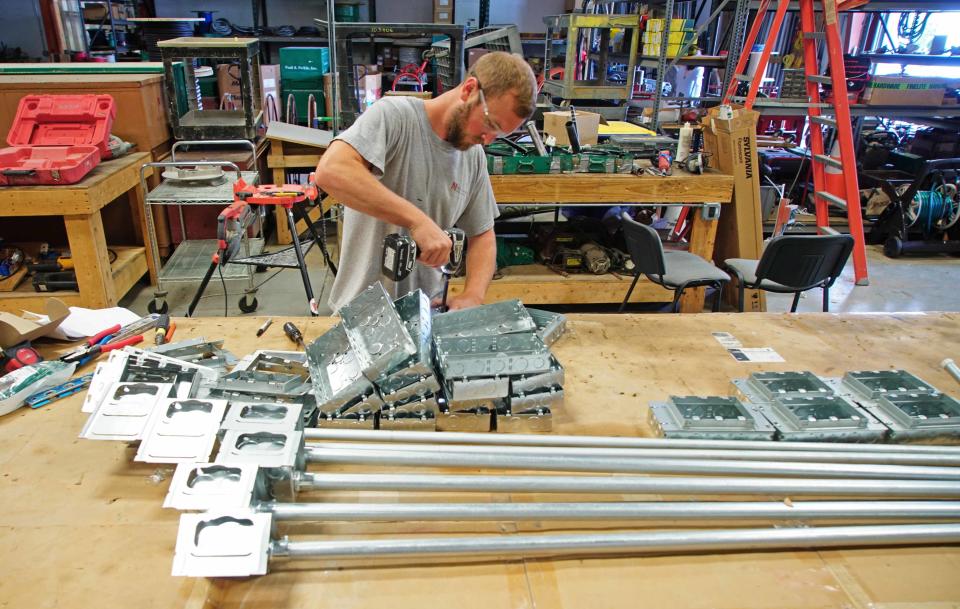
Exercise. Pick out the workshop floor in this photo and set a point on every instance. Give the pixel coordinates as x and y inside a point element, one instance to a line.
<point>904,284</point>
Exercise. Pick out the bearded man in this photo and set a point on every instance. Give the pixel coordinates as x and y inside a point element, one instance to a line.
<point>417,167</point>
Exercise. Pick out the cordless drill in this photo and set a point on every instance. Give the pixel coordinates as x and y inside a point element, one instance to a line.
<point>400,254</point>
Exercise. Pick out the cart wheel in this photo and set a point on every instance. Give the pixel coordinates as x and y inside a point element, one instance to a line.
<point>248,306</point>
<point>893,247</point>
<point>153,308</point>
<point>261,268</point>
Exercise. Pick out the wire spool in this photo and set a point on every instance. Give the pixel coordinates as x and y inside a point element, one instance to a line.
<point>152,32</point>
<point>933,209</point>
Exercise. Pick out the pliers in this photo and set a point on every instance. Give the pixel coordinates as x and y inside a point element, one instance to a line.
<point>100,343</point>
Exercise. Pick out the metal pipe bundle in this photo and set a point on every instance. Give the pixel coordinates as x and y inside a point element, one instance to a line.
<point>665,485</point>
<point>812,456</point>
<point>653,542</point>
<point>495,460</point>
<point>861,511</point>
<point>366,435</point>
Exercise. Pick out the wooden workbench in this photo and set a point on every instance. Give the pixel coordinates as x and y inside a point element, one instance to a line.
<point>101,283</point>
<point>82,526</point>
<point>536,284</point>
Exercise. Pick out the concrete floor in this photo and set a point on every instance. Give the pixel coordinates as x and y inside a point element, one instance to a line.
<point>904,284</point>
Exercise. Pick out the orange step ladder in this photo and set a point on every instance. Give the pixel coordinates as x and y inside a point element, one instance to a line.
<point>819,113</point>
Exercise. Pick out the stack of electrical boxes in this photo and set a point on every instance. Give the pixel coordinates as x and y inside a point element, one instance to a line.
<point>301,75</point>
<point>393,365</point>
<point>681,33</point>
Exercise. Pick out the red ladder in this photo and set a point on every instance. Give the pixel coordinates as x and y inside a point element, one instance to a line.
<point>849,198</point>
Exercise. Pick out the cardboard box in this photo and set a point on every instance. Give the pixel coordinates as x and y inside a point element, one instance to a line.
<point>732,144</point>
<point>588,125</point>
<point>905,91</point>
<point>444,15</point>
<point>15,330</point>
<point>270,85</point>
<point>228,80</point>
<point>442,4</point>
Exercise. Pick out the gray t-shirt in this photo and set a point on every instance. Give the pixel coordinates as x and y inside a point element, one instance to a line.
<point>451,186</point>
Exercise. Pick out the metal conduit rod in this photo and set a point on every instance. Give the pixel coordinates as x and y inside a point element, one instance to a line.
<point>658,542</point>
<point>364,435</point>
<point>666,453</point>
<point>861,511</point>
<point>662,485</point>
<point>613,465</point>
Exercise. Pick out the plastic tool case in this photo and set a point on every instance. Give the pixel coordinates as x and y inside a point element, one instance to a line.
<point>57,139</point>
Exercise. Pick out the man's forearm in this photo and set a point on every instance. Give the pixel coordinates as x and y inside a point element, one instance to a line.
<point>343,174</point>
<point>481,264</point>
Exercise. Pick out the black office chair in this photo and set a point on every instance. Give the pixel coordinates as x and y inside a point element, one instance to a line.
<point>673,270</point>
<point>794,264</point>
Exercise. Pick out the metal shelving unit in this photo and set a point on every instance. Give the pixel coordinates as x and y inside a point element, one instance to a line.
<point>107,27</point>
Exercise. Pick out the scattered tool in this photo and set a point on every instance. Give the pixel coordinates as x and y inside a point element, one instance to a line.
<point>160,333</point>
<point>400,253</point>
<point>293,333</point>
<point>535,137</point>
<point>169,335</point>
<point>42,398</point>
<point>18,356</point>
<point>665,162</point>
<point>264,327</point>
<point>100,344</point>
<point>573,133</point>
<point>141,326</point>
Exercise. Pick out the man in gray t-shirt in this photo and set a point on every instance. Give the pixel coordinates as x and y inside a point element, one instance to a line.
<point>414,166</point>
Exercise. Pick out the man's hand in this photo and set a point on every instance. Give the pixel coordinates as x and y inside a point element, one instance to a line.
<point>463,301</point>
<point>433,243</point>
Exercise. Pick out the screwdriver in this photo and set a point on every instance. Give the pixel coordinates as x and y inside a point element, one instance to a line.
<point>293,333</point>
<point>163,324</point>
<point>264,327</point>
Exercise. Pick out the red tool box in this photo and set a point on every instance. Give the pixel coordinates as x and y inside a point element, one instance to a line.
<point>57,139</point>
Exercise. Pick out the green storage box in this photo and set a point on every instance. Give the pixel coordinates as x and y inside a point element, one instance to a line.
<point>346,13</point>
<point>304,65</point>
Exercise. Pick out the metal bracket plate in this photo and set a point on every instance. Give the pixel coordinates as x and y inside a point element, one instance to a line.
<point>477,418</point>
<point>125,411</point>
<point>222,544</point>
<point>550,325</point>
<point>181,431</point>
<point>528,420</point>
<point>424,419</point>
<point>762,387</point>
<point>358,418</point>
<point>264,416</point>
<point>378,337</point>
<point>486,356</point>
<point>470,389</point>
<point>263,383</point>
<point>711,417</point>
<point>212,486</point>
<point>873,384</point>
<point>505,317</point>
<point>822,418</point>
<point>335,371</point>
<point>551,398</point>
<point>533,382</point>
<point>918,415</point>
<point>264,448</point>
